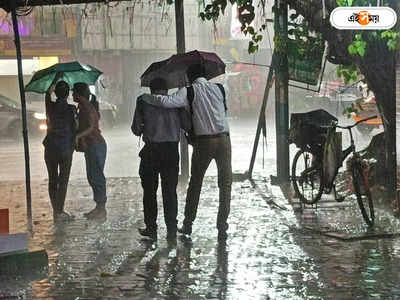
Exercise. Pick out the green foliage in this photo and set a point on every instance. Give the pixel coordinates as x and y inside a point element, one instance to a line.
<point>360,43</point>
<point>344,2</point>
<point>280,44</point>
<point>358,46</point>
<point>252,47</point>
<point>349,73</point>
<point>355,108</point>
<point>356,2</point>
<point>307,42</point>
<point>246,16</point>
<point>392,39</point>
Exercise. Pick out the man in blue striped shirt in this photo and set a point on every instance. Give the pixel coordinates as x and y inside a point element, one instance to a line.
<point>160,129</point>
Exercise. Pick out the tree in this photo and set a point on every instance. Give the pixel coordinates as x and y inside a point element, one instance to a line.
<point>372,53</point>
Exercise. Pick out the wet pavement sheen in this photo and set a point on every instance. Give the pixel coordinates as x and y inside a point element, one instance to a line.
<point>271,251</point>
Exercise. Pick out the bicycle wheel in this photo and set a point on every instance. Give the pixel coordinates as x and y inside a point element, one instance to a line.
<point>363,194</point>
<point>306,177</point>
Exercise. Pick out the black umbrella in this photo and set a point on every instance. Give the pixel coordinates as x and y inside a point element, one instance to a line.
<point>173,70</point>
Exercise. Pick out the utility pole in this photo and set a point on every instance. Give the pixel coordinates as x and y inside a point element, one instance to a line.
<point>281,90</point>
<point>180,47</point>
<point>24,122</point>
<point>261,125</point>
<point>397,122</point>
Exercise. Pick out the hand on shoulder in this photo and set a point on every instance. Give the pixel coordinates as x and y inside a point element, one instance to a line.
<point>140,98</point>
<point>144,97</point>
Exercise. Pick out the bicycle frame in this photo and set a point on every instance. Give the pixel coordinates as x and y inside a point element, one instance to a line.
<point>318,178</point>
<point>352,147</point>
<point>349,150</point>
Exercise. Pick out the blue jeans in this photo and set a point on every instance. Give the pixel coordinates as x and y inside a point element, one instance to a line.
<point>95,157</point>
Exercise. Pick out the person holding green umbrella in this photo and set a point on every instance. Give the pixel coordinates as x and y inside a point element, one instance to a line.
<point>90,141</point>
<point>58,144</point>
<point>70,72</point>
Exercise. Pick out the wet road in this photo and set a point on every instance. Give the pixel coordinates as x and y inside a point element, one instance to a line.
<point>122,153</point>
<point>273,251</point>
<point>123,148</point>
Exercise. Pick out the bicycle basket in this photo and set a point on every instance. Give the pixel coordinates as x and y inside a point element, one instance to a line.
<point>305,128</point>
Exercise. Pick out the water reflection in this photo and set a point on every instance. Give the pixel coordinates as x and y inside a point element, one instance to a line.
<point>269,255</point>
<point>219,279</point>
<point>182,272</point>
<point>165,270</point>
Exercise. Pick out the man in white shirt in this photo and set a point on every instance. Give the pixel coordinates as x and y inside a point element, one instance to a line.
<point>207,104</point>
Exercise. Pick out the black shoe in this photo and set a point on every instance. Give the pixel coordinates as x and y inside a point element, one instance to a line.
<point>222,235</point>
<point>98,211</point>
<point>151,233</point>
<point>88,214</point>
<point>185,229</point>
<point>98,214</point>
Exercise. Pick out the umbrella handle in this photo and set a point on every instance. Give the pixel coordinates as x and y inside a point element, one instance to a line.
<point>58,76</point>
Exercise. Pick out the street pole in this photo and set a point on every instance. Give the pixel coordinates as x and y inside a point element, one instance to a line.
<point>397,124</point>
<point>281,90</point>
<point>180,47</point>
<point>261,118</point>
<point>23,111</point>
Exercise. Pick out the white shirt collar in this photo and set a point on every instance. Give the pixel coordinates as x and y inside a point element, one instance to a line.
<point>200,80</point>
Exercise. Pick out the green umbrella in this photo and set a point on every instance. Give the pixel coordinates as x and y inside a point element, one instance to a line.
<point>70,72</point>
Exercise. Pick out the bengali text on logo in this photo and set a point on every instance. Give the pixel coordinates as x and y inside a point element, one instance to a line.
<point>363,18</point>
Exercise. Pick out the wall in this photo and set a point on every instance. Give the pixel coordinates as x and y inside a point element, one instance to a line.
<point>9,86</point>
<point>141,27</point>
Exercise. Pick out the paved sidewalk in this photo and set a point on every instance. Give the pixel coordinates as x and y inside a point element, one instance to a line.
<point>270,252</point>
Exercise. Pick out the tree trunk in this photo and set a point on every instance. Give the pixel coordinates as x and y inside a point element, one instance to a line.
<point>378,67</point>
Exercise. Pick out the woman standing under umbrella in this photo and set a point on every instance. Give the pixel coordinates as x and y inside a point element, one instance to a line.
<point>90,141</point>
<point>58,145</point>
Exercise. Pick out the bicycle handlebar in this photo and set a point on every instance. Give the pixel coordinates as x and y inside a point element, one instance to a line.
<point>356,123</point>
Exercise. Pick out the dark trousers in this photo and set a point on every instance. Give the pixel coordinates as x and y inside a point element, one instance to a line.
<point>159,159</point>
<point>204,151</point>
<point>58,167</point>
<point>95,157</point>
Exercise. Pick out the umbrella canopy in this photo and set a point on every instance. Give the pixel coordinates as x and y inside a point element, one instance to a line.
<point>173,70</point>
<point>70,72</point>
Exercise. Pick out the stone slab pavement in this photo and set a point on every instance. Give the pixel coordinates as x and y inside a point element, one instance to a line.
<point>269,254</point>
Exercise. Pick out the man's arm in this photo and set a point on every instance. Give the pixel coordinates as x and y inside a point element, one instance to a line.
<point>74,115</point>
<point>138,120</point>
<point>227,90</point>
<point>47,98</point>
<point>175,100</point>
<point>93,118</point>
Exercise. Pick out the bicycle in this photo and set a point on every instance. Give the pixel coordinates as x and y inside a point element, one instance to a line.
<point>314,172</point>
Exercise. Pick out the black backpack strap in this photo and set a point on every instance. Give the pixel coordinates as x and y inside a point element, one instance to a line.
<point>221,87</point>
<point>190,97</point>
